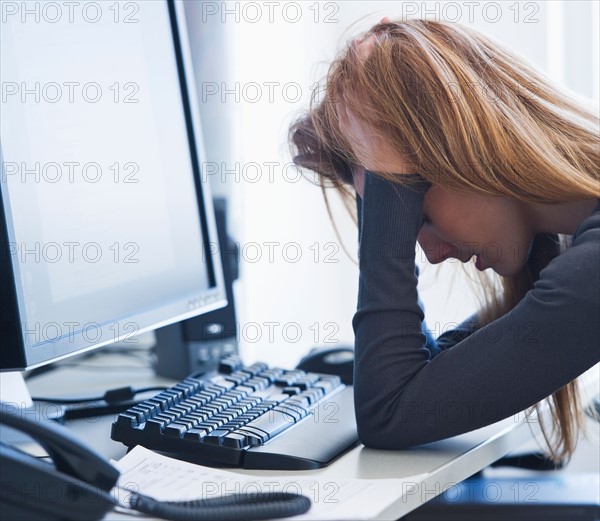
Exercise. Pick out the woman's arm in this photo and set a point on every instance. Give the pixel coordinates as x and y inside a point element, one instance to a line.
<point>444,341</point>
<point>402,397</point>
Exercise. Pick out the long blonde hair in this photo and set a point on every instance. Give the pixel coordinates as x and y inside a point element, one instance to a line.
<point>471,116</point>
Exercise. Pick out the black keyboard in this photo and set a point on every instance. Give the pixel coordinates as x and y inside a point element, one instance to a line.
<point>254,417</point>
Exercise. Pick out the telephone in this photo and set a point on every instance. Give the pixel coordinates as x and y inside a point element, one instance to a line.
<point>78,485</point>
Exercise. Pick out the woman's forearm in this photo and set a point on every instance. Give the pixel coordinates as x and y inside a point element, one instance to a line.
<point>390,346</point>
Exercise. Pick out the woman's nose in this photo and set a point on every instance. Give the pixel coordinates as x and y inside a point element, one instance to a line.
<point>435,249</point>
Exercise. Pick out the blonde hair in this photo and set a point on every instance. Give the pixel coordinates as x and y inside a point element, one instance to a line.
<point>470,116</point>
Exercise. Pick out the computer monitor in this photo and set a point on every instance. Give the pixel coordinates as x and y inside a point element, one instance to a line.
<point>106,224</point>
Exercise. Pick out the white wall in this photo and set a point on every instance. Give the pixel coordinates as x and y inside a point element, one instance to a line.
<point>272,60</point>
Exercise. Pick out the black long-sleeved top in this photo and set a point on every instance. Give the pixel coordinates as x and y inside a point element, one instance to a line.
<point>406,394</point>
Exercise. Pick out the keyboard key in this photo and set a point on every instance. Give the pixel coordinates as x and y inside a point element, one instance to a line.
<point>271,374</point>
<point>287,378</point>
<point>208,425</point>
<point>140,414</point>
<point>214,438</point>
<point>187,388</point>
<point>257,384</point>
<point>238,409</point>
<point>255,368</point>
<point>182,409</point>
<point>250,415</point>
<point>215,390</point>
<point>238,377</point>
<point>196,434</point>
<point>198,416</point>
<point>220,381</point>
<point>233,425</point>
<point>175,394</point>
<point>163,400</point>
<point>289,406</point>
<point>230,364</point>
<point>306,382</point>
<point>235,440</point>
<point>285,381</point>
<point>205,396</point>
<point>327,384</point>
<point>225,416</point>
<point>268,403</point>
<point>336,381</point>
<point>224,402</point>
<point>176,429</point>
<point>301,401</point>
<point>144,411</point>
<point>278,398</point>
<point>261,408</point>
<point>313,395</point>
<point>254,436</point>
<point>128,419</point>
<point>196,383</point>
<point>298,373</point>
<point>272,423</point>
<point>156,425</point>
<point>291,411</point>
<point>262,395</point>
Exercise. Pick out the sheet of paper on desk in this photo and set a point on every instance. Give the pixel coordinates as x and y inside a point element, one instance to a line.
<point>168,479</point>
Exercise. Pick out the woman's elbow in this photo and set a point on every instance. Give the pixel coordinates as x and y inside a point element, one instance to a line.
<point>375,433</point>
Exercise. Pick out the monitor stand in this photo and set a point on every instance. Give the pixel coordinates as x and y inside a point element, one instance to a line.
<point>15,397</point>
<point>13,390</point>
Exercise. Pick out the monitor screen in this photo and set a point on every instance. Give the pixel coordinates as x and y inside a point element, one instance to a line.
<point>107,226</point>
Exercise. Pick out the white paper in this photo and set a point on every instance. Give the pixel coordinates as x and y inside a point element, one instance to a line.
<point>165,478</point>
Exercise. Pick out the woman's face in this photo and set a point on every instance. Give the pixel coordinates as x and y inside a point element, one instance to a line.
<point>458,225</point>
<point>462,225</point>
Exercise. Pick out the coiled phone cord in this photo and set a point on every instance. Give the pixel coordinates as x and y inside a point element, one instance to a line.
<point>235,507</point>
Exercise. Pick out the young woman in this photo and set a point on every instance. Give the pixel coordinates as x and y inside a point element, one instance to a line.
<point>449,140</point>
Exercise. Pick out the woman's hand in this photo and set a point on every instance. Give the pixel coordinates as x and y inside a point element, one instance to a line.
<point>358,175</point>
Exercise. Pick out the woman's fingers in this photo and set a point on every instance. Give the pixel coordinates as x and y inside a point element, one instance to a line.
<point>363,45</point>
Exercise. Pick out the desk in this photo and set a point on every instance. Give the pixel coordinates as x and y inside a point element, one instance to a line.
<point>427,471</point>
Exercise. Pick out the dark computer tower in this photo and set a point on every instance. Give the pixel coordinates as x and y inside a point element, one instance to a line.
<point>197,344</point>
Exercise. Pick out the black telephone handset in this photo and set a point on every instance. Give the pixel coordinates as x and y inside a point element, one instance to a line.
<point>78,485</point>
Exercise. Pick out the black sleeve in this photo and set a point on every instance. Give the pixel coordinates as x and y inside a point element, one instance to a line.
<point>402,397</point>
<point>435,346</point>
<point>452,337</point>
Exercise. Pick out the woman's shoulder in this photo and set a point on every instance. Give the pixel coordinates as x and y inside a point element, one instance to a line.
<point>592,222</point>
<point>575,273</point>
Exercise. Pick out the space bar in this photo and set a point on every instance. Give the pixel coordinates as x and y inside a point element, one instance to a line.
<point>272,422</point>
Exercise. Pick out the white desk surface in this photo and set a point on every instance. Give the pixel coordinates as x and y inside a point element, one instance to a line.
<point>427,471</point>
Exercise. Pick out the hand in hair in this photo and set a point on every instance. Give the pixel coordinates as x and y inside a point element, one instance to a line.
<point>364,43</point>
